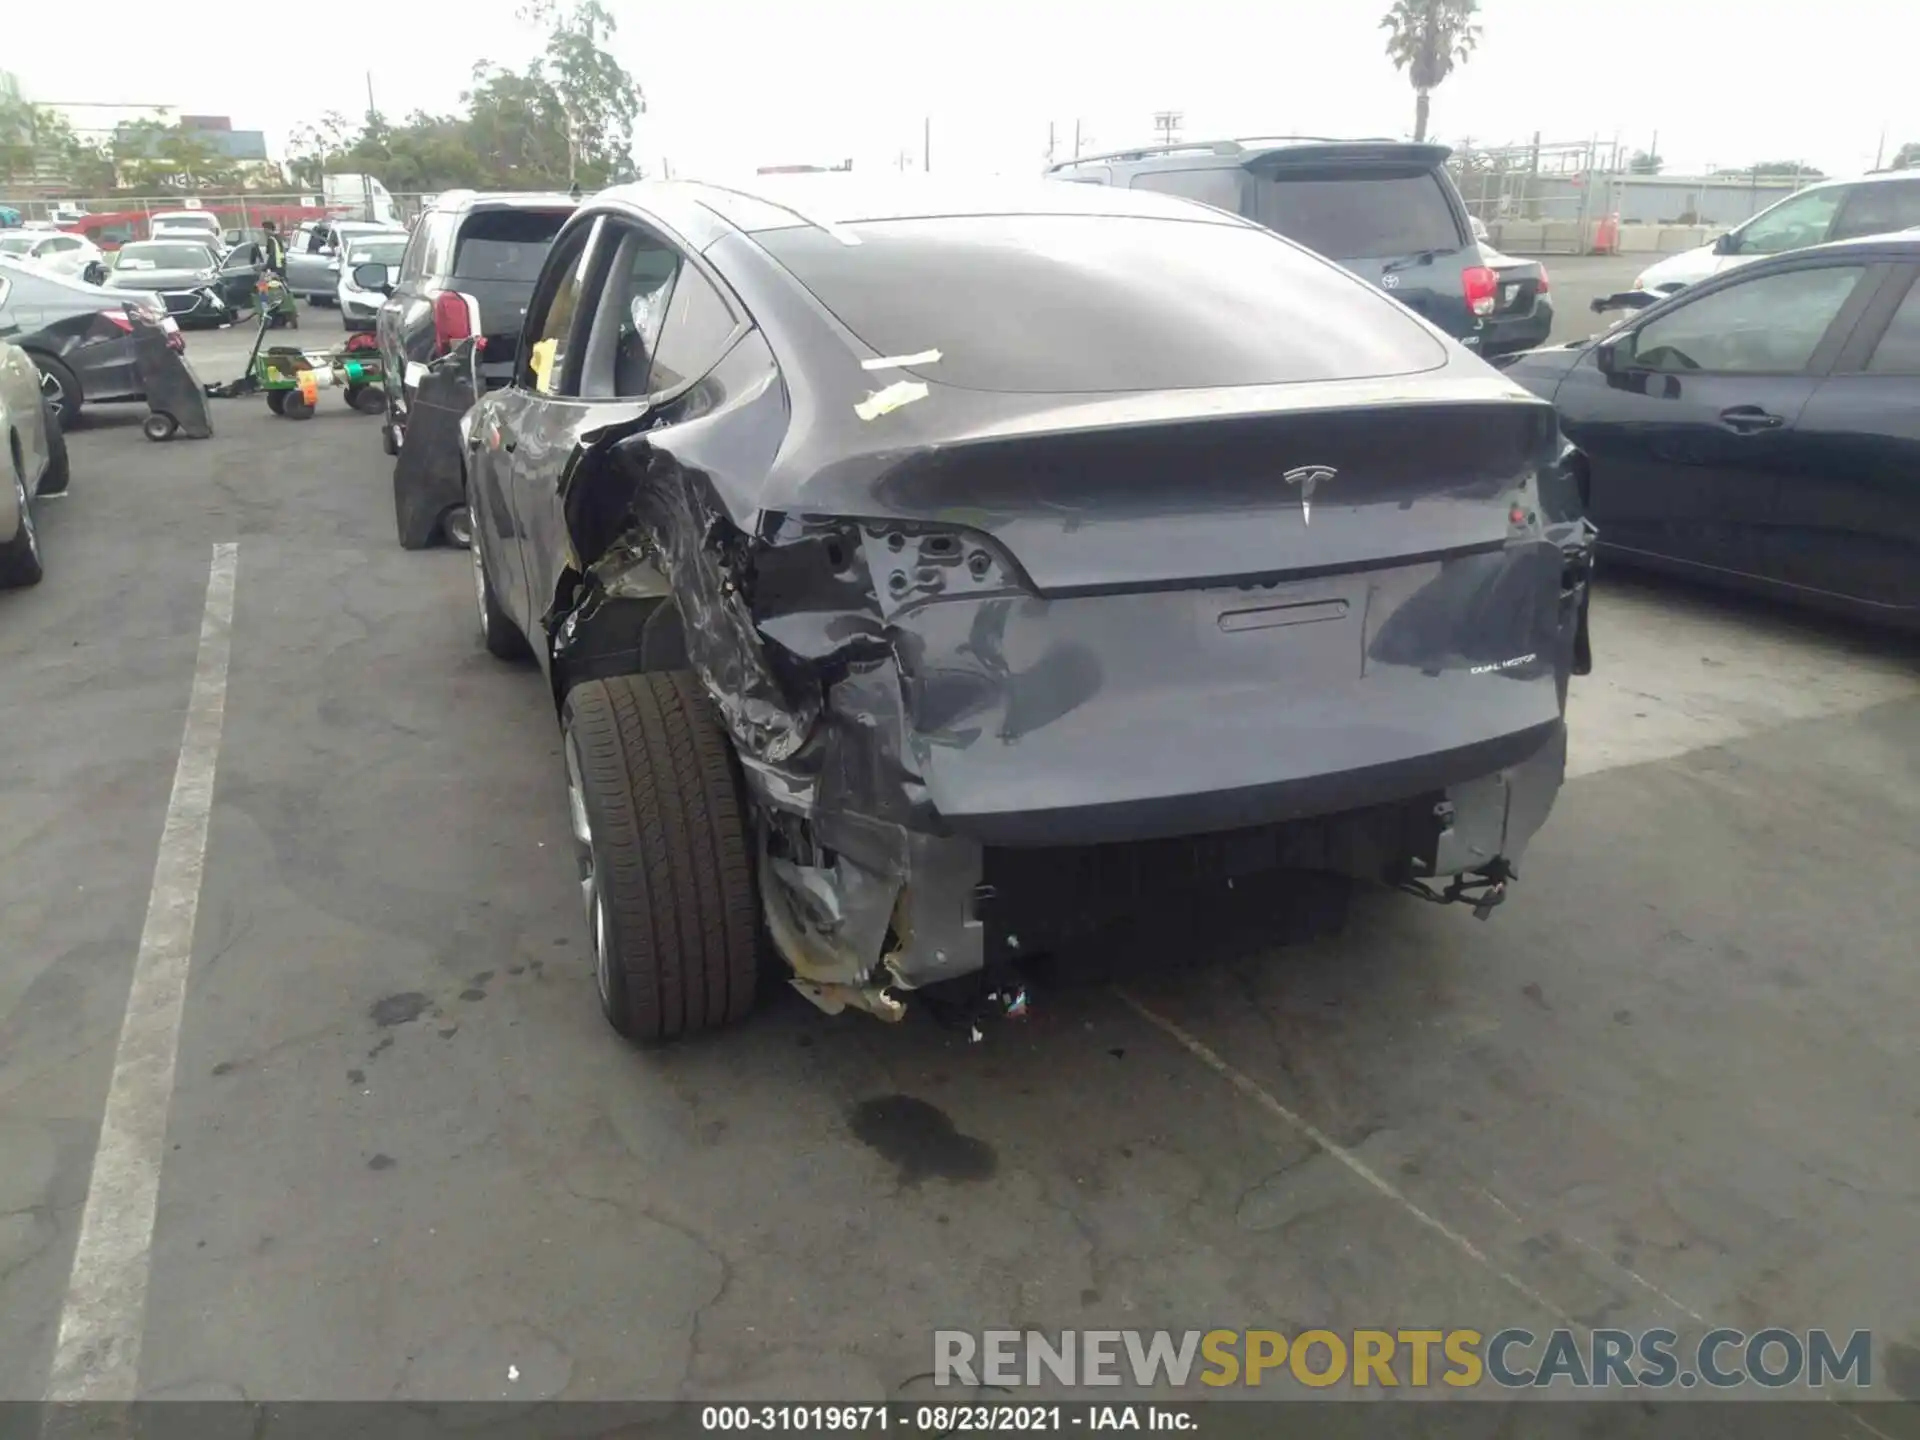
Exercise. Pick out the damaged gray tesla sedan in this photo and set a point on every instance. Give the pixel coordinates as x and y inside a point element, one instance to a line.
<point>927,575</point>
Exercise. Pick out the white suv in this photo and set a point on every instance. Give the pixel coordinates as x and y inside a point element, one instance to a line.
<point>1875,204</point>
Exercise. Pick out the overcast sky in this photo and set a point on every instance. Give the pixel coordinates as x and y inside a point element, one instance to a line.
<point>736,83</point>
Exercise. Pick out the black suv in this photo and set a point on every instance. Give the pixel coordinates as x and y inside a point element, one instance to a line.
<point>1384,209</point>
<point>489,247</point>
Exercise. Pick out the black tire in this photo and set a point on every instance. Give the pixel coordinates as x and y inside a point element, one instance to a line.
<point>666,861</point>
<point>276,401</point>
<point>20,556</point>
<point>65,392</point>
<point>365,400</point>
<point>504,639</point>
<point>295,406</point>
<point>59,469</point>
<point>159,427</point>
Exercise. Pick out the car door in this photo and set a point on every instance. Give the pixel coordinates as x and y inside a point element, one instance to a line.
<point>1687,417</point>
<point>240,274</point>
<point>1849,514</point>
<point>1793,224</point>
<point>640,280</point>
<point>545,378</point>
<point>307,260</point>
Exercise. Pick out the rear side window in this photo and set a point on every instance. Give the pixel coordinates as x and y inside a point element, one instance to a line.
<point>1898,352</point>
<point>1211,187</point>
<point>693,332</point>
<point>1878,208</point>
<point>1089,304</point>
<point>1357,216</point>
<point>505,244</point>
<point>439,243</point>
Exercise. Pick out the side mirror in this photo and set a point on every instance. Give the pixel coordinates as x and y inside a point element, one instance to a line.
<point>373,276</point>
<point>1606,354</point>
<point>94,273</point>
<point>1727,244</point>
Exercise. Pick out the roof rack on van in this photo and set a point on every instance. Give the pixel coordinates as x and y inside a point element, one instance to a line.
<point>1239,145</point>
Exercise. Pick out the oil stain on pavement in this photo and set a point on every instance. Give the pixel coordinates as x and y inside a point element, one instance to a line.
<point>920,1140</point>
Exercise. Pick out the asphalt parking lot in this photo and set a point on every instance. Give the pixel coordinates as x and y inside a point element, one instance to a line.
<point>1671,1082</point>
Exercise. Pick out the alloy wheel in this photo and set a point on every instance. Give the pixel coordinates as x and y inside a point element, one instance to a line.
<point>56,396</point>
<point>590,897</point>
<point>26,517</point>
<point>480,588</point>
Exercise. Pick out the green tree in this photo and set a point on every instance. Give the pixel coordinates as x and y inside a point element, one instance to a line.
<point>1907,156</point>
<point>1645,162</point>
<point>599,99</point>
<point>1793,169</point>
<point>153,155</point>
<point>1427,38</point>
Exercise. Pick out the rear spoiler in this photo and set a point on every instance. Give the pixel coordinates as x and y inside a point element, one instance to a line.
<point>1383,153</point>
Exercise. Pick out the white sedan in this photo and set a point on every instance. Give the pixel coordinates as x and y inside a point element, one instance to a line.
<point>50,250</point>
<point>359,307</point>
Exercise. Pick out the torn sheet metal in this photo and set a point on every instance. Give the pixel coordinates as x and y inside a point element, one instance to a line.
<point>885,402</point>
<point>703,559</point>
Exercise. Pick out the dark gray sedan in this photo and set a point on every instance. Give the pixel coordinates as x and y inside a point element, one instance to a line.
<point>77,334</point>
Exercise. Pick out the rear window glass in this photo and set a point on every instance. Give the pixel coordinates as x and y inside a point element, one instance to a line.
<point>506,244</point>
<point>1358,217</point>
<point>1087,304</point>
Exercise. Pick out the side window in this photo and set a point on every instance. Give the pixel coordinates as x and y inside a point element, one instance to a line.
<point>631,310</point>
<point>413,261</point>
<point>1768,325</point>
<point>1792,224</point>
<point>59,246</point>
<point>1898,352</point>
<point>548,345</point>
<point>437,255</point>
<point>1215,187</point>
<point>1878,209</point>
<point>693,334</point>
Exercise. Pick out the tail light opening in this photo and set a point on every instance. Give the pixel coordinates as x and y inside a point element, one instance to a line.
<point>1481,285</point>
<point>1541,288</point>
<point>455,318</point>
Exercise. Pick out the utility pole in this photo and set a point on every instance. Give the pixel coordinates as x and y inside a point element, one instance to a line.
<point>1049,144</point>
<point>1076,139</point>
<point>1167,122</point>
<point>903,160</point>
<point>926,144</point>
<point>1880,150</point>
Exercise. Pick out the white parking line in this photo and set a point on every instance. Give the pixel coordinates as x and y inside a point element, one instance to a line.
<point>1255,1092</point>
<point>97,1356</point>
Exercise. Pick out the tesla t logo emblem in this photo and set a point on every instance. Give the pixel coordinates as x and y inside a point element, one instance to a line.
<point>1307,477</point>
<point>1390,282</point>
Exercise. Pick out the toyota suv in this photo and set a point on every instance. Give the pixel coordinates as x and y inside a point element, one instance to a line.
<point>1384,209</point>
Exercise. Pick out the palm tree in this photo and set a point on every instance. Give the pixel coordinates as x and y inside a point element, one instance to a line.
<point>1427,38</point>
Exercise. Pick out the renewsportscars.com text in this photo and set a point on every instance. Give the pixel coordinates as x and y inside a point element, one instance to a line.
<point>1512,1359</point>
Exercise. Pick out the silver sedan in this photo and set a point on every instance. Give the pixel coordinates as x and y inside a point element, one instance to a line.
<point>36,465</point>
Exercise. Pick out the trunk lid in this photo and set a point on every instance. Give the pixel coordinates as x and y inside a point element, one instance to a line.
<point>1325,488</point>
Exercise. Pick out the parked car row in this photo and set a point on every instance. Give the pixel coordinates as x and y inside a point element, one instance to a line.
<point>78,335</point>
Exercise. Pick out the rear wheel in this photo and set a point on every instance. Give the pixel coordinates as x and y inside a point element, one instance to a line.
<point>20,556</point>
<point>60,390</point>
<point>160,427</point>
<point>666,873</point>
<point>457,526</point>
<point>276,401</point>
<point>295,406</point>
